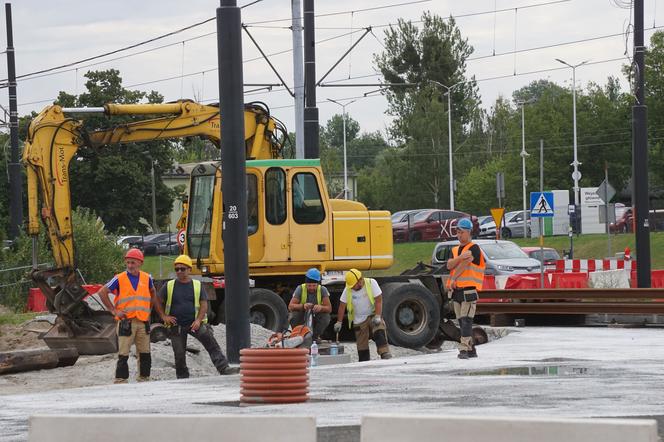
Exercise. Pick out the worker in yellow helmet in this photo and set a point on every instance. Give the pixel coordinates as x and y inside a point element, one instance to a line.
<point>186,306</point>
<point>362,298</point>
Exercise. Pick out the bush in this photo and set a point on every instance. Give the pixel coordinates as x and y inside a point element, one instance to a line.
<point>97,257</point>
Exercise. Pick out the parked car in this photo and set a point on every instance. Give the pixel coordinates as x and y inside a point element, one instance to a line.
<point>168,245</point>
<point>501,257</point>
<point>550,256</point>
<point>512,225</point>
<point>403,216</point>
<point>487,227</point>
<point>124,241</point>
<point>432,224</point>
<point>149,244</point>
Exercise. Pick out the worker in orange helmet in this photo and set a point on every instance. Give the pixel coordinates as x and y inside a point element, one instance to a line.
<point>134,297</point>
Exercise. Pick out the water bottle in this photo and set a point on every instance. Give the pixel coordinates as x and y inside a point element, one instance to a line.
<point>334,350</point>
<point>314,354</point>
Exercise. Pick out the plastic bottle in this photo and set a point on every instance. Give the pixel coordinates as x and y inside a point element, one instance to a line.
<point>334,349</point>
<point>314,354</point>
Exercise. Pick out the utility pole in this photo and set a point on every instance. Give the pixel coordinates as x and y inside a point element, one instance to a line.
<point>234,179</point>
<point>15,178</point>
<point>155,226</point>
<point>640,200</point>
<point>298,77</point>
<point>540,219</point>
<point>311,145</point>
<point>523,155</point>
<point>343,110</point>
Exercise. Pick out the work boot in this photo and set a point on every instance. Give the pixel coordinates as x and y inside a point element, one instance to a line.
<point>143,379</point>
<point>229,370</point>
<point>386,355</point>
<point>120,381</point>
<point>472,353</point>
<point>463,354</point>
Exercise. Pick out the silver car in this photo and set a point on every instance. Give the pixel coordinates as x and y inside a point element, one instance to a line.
<point>512,226</point>
<point>501,257</point>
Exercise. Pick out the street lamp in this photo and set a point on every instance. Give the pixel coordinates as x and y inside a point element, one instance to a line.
<point>343,109</point>
<point>576,175</point>
<point>449,133</point>
<point>155,226</point>
<point>523,155</point>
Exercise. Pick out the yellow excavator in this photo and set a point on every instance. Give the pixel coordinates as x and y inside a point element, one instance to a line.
<point>292,223</point>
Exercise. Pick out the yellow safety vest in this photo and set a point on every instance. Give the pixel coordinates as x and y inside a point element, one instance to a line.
<point>472,276</point>
<point>170,285</point>
<point>303,298</point>
<point>349,300</point>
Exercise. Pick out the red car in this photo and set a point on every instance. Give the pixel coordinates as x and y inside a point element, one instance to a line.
<point>624,223</point>
<point>432,224</point>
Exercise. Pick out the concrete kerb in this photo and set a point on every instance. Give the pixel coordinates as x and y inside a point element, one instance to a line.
<point>422,428</point>
<point>172,428</point>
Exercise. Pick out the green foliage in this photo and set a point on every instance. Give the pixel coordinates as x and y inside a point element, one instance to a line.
<point>97,257</point>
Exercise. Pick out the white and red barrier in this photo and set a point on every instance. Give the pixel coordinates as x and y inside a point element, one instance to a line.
<point>593,265</point>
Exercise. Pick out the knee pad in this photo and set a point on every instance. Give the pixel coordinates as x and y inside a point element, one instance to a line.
<point>380,338</point>
<point>363,355</point>
<point>122,369</point>
<point>466,326</point>
<point>145,365</point>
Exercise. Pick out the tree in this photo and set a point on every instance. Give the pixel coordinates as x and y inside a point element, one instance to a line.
<point>114,181</point>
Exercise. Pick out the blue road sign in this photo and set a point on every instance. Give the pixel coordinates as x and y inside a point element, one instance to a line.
<point>541,204</point>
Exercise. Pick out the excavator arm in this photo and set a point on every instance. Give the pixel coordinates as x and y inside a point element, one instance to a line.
<point>53,140</point>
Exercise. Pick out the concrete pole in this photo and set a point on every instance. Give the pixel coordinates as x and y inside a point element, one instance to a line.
<point>576,174</point>
<point>524,154</point>
<point>449,142</point>
<point>298,77</point>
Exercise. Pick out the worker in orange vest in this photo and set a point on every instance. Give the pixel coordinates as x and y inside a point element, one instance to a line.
<point>466,276</point>
<point>134,297</point>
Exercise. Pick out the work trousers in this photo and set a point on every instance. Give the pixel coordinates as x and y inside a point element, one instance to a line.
<point>367,329</point>
<point>320,322</point>
<point>141,339</point>
<point>204,335</point>
<point>465,312</point>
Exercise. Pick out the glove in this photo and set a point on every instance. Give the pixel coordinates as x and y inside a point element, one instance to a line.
<point>337,327</point>
<point>376,320</point>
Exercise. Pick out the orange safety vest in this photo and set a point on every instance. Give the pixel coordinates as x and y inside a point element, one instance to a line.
<point>473,276</point>
<point>136,303</point>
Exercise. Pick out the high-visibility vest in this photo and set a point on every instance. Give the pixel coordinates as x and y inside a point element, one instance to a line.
<point>472,276</point>
<point>319,296</point>
<point>349,300</point>
<point>136,303</point>
<point>170,285</point>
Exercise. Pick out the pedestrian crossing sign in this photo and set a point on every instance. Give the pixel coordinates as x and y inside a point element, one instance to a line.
<point>541,204</point>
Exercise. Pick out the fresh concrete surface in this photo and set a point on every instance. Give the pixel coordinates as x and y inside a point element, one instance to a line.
<point>591,372</point>
<point>398,428</point>
<point>178,428</point>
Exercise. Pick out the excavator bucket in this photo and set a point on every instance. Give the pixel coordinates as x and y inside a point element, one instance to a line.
<point>93,336</point>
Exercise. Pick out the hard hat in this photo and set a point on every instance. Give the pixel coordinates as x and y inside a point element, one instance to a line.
<point>135,254</point>
<point>184,259</point>
<point>158,333</point>
<point>312,274</point>
<point>352,276</point>
<point>465,224</point>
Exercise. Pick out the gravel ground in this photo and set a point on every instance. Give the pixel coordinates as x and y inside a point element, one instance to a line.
<point>99,370</point>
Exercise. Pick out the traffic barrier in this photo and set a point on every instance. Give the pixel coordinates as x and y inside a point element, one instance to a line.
<point>569,280</point>
<point>592,265</point>
<point>37,300</point>
<point>657,279</point>
<point>165,427</point>
<point>489,282</point>
<point>397,428</point>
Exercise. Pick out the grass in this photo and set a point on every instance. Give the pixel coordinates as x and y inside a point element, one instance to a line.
<point>159,266</point>
<point>10,318</point>
<point>406,255</point>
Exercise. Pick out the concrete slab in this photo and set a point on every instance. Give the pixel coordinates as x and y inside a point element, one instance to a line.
<point>172,428</point>
<point>566,372</point>
<point>333,359</point>
<point>398,428</point>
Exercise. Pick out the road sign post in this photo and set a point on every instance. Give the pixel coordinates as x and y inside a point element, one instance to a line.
<point>497,215</point>
<point>541,206</point>
<point>606,192</point>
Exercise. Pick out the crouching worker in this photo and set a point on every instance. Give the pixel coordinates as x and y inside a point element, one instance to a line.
<point>362,298</point>
<point>186,310</point>
<point>135,294</point>
<point>311,297</point>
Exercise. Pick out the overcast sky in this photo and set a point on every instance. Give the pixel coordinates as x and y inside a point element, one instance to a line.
<point>52,33</point>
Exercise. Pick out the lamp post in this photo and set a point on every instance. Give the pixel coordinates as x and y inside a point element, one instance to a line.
<point>576,175</point>
<point>343,110</point>
<point>155,227</point>
<point>524,154</point>
<point>449,133</point>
